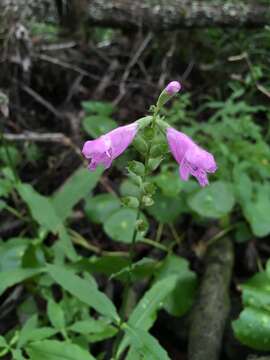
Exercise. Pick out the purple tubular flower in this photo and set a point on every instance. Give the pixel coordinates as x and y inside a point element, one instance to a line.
<point>108,147</point>
<point>173,87</point>
<point>193,160</point>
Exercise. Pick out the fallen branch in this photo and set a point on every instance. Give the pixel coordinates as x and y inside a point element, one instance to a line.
<point>212,309</point>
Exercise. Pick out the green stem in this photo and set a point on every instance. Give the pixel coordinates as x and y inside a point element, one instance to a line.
<point>126,291</point>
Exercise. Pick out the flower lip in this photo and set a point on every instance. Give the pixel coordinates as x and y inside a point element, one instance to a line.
<point>173,87</point>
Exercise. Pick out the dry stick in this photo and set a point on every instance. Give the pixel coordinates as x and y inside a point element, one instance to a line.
<point>130,65</point>
<point>212,308</point>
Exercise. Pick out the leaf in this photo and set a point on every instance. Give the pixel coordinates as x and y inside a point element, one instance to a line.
<point>214,201</point>
<point>97,330</point>
<point>169,183</point>
<point>146,344</point>
<point>253,328</point>
<point>97,125</point>
<point>75,188</point>
<point>84,291</point>
<point>12,277</point>
<point>166,209</point>
<point>100,207</point>
<point>56,315</point>
<point>121,225</point>
<point>144,314</point>
<point>56,350</point>
<point>11,253</point>
<point>30,325</point>
<point>40,206</point>
<point>44,213</point>
<point>98,107</point>
<point>3,343</point>
<point>180,300</point>
<point>129,188</point>
<point>257,211</point>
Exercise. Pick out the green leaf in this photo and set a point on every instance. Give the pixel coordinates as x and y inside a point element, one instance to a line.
<point>56,315</point>
<point>97,125</point>
<point>30,325</point>
<point>214,201</point>
<point>11,253</point>
<point>97,330</point>
<point>129,188</point>
<point>3,343</point>
<point>100,207</point>
<point>75,188</point>
<point>253,328</point>
<point>121,225</point>
<point>144,314</point>
<point>257,211</point>
<point>146,344</point>
<point>84,291</point>
<point>169,183</point>
<point>166,209</point>
<point>56,350</point>
<point>98,107</point>
<point>40,206</point>
<point>180,300</point>
<point>12,277</point>
<point>142,268</point>
<point>43,211</point>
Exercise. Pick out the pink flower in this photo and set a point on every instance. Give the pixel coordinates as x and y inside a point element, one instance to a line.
<point>108,147</point>
<point>192,159</point>
<point>173,87</point>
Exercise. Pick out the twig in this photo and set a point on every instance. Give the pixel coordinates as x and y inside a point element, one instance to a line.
<point>66,65</point>
<point>42,101</point>
<point>130,65</point>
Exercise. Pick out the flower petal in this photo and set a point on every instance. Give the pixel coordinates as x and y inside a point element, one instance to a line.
<point>121,138</point>
<point>184,170</point>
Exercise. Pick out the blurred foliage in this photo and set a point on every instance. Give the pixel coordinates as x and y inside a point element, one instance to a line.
<point>231,120</point>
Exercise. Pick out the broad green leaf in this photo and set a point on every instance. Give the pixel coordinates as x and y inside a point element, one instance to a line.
<point>256,291</point>
<point>98,107</point>
<point>257,211</point>
<point>97,330</point>
<point>141,268</point>
<point>17,355</point>
<point>214,201</point>
<point>180,300</point>
<point>144,314</point>
<point>75,188</point>
<point>5,187</point>
<point>56,315</point>
<point>100,207</point>
<point>39,334</point>
<point>84,291</point>
<point>12,277</point>
<point>128,188</point>
<point>30,325</point>
<point>169,183</point>
<point>97,125</point>
<point>253,328</point>
<point>3,342</point>
<point>166,209</point>
<point>43,211</point>
<point>102,264</point>
<point>40,206</point>
<point>56,350</point>
<point>121,225</point>
<point>11,253</point>
<point>146,344</point>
